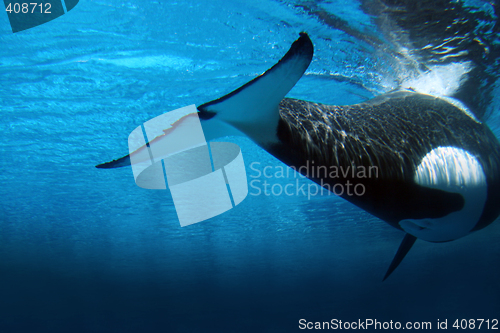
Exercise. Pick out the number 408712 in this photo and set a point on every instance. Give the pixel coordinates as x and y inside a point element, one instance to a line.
<point>25,8</point>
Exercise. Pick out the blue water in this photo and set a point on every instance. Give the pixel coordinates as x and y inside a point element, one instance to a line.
<point>86,250</point>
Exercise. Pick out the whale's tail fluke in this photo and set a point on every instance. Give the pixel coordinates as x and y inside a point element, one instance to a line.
<point>403,250</point>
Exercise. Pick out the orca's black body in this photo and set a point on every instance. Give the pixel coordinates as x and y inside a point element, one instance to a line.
<point>438,167</point>
<point>393,133</point>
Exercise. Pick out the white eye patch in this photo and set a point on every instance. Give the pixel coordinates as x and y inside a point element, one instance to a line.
<point>452,170</point>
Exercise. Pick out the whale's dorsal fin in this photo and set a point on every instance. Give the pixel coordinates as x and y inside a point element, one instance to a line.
<point>254,107</point>
<point>403,250</point>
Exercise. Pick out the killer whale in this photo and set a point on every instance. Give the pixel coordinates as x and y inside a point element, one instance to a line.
<point>439,166</point>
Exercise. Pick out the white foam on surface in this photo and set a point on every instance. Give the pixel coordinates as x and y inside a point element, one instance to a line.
<point>440,80</point>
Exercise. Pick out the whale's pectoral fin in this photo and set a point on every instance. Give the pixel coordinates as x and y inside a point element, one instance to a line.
<point>118,163</point>
<point>403,249</point>
<point>252,108</point>
<point>256,102</point>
